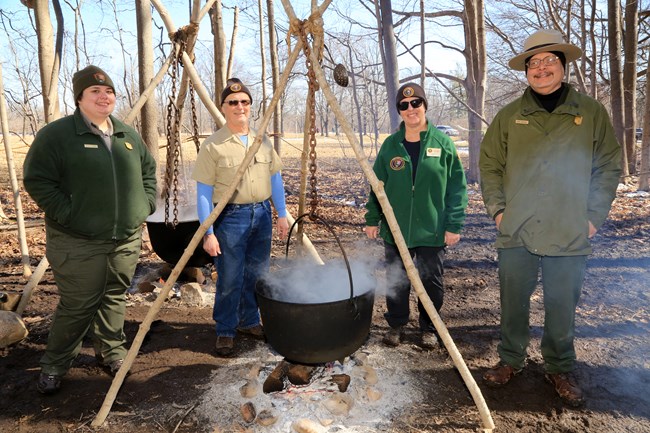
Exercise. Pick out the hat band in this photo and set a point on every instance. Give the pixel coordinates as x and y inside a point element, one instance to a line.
<point>540,46</point>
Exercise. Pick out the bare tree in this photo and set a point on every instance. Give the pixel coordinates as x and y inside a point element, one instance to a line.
<point>388,50</point>
<point>630,44</point>
<point>49,54</point>
<point>149,113</point>
<point>275,74</point>
<point>616,81</point>
<point>219,35</point>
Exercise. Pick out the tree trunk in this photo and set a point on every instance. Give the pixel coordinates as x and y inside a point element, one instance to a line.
<point>219,51</point>
<point>233,42</point>
<point>644,175</point>
<point>275,71</point>
<point>260,11</point>
<point>389,58</point>
<point>476,59</point>
<point>629,80</point>
<point>149,113</point>
<point>616,83</point>
<point>49,56</point>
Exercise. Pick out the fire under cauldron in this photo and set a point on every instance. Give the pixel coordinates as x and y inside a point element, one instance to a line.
<point>310,316</point>
<point>170,242</point>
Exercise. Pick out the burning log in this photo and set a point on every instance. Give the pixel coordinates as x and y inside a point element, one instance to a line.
<point>275,381</point>
<point>300,374</point>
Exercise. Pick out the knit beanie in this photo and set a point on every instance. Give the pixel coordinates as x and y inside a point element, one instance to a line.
<point>89,76</point>
<point>409,90</point>
<point>234,85</point>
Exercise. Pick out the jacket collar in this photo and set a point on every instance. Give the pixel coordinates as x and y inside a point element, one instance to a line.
<point>530,105</point>
<point>82,128</point>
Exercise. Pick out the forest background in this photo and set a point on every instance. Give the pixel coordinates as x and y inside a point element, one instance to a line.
<point>458,51</point>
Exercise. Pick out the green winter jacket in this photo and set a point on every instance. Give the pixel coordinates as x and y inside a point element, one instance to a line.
<point>86,190</point>
<point>432,205</point>
<point>550,173</point>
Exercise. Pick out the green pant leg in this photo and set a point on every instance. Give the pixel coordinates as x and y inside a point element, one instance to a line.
<point>79,268</point>
<point>518,271</point>
<point>108,326</point>
<point>562,280</point>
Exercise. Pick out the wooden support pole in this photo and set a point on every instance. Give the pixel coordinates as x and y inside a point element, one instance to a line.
<point>31,284</point>
<point>15,188</point>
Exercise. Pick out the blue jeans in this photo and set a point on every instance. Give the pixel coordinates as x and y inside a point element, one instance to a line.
<point>244,234</point>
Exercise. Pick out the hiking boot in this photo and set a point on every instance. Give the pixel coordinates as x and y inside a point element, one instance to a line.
<point>500,374</point>
<point>224,345</point>
<point>48,383</point>
<point>429,340</point>
<point>257,332</point>
<point>566,387</point>
<point>393,336</point>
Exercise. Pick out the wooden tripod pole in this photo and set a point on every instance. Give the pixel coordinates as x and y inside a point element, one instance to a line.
<point>15,188</point>
<point>411,271</point>
<point>189,250</point>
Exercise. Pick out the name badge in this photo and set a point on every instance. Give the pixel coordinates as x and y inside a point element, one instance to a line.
<point>434,152</point>
<point>521,122</point>
<point>91,146</point>
<point>128,145</point>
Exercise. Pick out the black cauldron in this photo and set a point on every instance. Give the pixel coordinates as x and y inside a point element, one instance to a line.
<point>313,333</point>
<point>169,241</point>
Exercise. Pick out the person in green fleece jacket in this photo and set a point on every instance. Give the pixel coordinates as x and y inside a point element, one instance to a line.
<point>95,180</point>
<point>425,184</point>
<point>550,165</point>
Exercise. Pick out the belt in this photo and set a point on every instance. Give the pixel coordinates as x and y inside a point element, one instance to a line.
<point>244,205</point>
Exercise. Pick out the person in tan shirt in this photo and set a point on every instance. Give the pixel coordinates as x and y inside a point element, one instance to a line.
<point>240,240</point>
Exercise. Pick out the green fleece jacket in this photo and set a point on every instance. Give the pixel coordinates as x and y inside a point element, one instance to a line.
<point>550,173</point>
<point>86,190</point>
<point>432,205</point>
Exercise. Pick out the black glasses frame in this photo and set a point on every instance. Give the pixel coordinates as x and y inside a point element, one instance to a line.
<point>415,103</point>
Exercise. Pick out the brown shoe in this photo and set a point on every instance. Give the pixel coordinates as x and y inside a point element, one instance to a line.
<point>500,374</point>
<point>566,387</point>
<point>224,345</point>
<point>257,332</point>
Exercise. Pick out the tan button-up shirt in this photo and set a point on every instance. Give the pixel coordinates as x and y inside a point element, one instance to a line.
<point>219,158</point>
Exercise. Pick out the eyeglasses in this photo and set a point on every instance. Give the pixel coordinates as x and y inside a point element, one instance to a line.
<point>235,102</point>
<point>415,103</point>
<point>547,61</point>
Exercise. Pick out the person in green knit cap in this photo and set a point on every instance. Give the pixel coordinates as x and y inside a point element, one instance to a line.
<point>425,184</point>
<point>95,180</point>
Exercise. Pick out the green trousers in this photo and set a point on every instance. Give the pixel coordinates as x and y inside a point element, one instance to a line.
<point>92,277</point>
<point>562,279</point>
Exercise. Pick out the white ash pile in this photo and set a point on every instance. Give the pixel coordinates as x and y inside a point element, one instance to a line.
<point>261,396</point>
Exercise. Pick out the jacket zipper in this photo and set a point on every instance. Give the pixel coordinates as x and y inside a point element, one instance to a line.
<point>110,151</point>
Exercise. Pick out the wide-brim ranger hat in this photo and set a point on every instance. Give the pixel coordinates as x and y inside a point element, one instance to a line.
<point>544,41</point>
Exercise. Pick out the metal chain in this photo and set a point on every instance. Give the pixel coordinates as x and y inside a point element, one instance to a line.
<point>313,87</point>
<point>173,140</point>
<point>195,122</point>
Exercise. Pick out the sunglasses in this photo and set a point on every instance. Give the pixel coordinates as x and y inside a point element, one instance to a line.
<point>415,103</point>
<point>235,102</point>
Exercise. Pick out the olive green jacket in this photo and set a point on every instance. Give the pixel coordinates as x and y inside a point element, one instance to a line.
<point>85,189</point>
<point>550,173</point>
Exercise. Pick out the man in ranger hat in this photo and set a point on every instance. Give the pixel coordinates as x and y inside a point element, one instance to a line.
<point>95,180</point>
<point>550,165</point>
